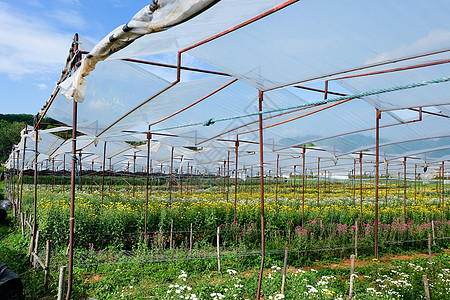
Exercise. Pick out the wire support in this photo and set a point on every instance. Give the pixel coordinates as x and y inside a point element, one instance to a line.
<point>210,122</point>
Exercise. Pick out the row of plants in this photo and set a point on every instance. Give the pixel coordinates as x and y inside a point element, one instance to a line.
<point>119,221</point>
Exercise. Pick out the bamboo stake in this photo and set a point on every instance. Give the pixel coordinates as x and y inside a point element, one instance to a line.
<point>171,234</point>
<point>47,262</point>
<point>190,241</point>
<point>218,249</point>
<point>429,247</point>
<point>352,267</point>
<point>356,238</point>
<point>283,283</point>
<point>427,289</point>
<point>62,279</point>
<point>432,229</point>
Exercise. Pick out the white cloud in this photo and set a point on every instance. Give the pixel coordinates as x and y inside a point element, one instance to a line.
<point>30,45</point>
<point>69,17</point>
<point>435,40</point>
<point>42,86</point>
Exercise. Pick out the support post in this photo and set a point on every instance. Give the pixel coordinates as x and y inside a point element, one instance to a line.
<point>276,180</point>
<point>377,169</point>
<point>415,184</point>
<point>429,248</point>
<point>387,183</point>
<point>236,145</point>
<point>361,185</point>
<point>72,184</point>
<point>261,180</point>
<point>149,136</point>
<point>103,173</point>
<point>228,175</point>
<point>354,181</point>
<point>170,178</point>
<point>318,182</point>
<point>22,172</point>
<point>62,280</point>
<point>352,271</point>
<point>283,282</point>
<point>443,190</point>
<point>426,287</point>
<point>190,241</point>
<point>47,262</point>
<point>303,186</point>
<point>404,188</point>
<point>134,174</point>
<point>64,174</point>
<point>218,249</point>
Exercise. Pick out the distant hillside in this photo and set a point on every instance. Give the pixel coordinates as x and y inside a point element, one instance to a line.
<point>25,118</point>
<point>10,127</point>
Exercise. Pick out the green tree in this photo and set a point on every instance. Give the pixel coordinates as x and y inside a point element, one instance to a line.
<point>9,136</point>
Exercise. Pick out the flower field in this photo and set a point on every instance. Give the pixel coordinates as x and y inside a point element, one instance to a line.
<point>119,221</point>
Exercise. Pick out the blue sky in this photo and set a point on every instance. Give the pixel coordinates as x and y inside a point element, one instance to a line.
<point>35,37</point>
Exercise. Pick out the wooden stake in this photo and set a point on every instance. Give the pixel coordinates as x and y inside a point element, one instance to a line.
<point>356,238</point>
<point>425,285</point>
<point>429,246</point>
<point>432,229</point>
<point>22,222</point>
<point>218,249</point>
<point>36,248</point>
<point>283,283</point>
<point>352,271</point>
<point>47,262</point>
<point>190,241</point>
<point>171,234</point>
<point>62,280</point>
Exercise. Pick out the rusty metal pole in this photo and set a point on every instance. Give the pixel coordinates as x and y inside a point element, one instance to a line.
<point>23,170</point>
<point>261,180</point>
<point>151,176</point>
<point>181,175</point>
<point>225,177</point>
<point>354,181</point>
<point>36,156</point>
<point>188,180</point>
<point>387,182</point>
<point>303,186</point>
<point>64,173</point>
<point>236,144</point>
<point>228,174</point>
<point>360,186</point>
<point>14,169</point>
<point>134,174</point>
<point>404,188</point>
<point>92,176</point>
<point>443,190</point>
<point>415,184</point>
<point>276,180</point>
<point>110,173</point>
<point>81,174</point>
<point>103,173</point>
<point>294,179</point>
<point>251,181</point>
<point>72,183</point>
<point>377,161</point>
<point>149,136</point>
<point>318,182</point>
<point>219,186</point>
<point>170,178</point>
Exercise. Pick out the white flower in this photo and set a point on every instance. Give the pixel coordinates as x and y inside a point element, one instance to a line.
<point>231,272</point>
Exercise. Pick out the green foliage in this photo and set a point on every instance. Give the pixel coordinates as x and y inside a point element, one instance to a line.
<point>10,127</point>
<point>9,136</point>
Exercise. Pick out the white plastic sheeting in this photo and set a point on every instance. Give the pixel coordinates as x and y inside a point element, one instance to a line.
<point>307,42</point>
